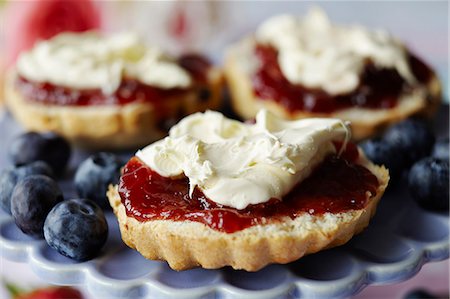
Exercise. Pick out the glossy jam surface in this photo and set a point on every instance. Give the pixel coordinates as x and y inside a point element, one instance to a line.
<point>337,185</point>
<point>130,90</point>
<point>378,88</point>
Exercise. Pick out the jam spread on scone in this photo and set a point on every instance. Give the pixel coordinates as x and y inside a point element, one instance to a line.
<point>336,185</point>
<point>130,90</point>
<point>378,88</point>
<point>82,69</point>
<point>230,175</point>
<point>309,64</point>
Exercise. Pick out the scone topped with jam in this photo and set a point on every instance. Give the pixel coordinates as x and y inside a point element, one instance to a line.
<point>108,91</point>
<point>219,192</point>
<point>301,67</point>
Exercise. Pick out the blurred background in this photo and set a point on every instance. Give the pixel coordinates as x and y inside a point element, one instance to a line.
<point>208,27</point>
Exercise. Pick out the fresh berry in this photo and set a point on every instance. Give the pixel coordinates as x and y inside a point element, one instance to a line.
<point>52,293</point>
<point>48,147</point>
<point>413,137</point>
<point>441,149</point>
<point>94,176</point>
<point>37,167</point>
<point>383,153</point>
<point>8,180</point>
<point>76,228</point>
<point>31,201</point>
<point>419,294</point>
<point>10,177</point>
<point>429,183</point>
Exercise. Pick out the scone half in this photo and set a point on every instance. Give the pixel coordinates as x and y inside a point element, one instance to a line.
<point>108,91</point>
<point>241,64</point>
<point>188,244</point>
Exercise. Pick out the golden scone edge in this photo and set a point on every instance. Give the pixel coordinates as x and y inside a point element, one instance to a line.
<point>187,244</point>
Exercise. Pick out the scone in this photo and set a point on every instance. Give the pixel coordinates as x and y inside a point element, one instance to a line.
<point>308,67</point>
<point>217,192</point>
<point>108,91</point>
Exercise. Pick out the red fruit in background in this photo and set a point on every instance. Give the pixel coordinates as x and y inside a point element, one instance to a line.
<point>52,293</point>
<point>30,21</point>
<point>178,24</point>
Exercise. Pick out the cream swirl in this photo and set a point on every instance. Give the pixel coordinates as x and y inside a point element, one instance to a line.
<point>237,164</point>
<point>90,60</point>
<point>317,54</point>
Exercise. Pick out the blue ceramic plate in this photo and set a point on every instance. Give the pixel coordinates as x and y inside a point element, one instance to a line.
<point>400,239</point>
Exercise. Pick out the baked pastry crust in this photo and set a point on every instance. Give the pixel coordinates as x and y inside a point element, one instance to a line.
<point>187,244</point>
<point>109,126</point>
<point>240,64</point>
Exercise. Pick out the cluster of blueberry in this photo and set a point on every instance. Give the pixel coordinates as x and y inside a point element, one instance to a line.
<point>410,146</point>
<point>76,228</point>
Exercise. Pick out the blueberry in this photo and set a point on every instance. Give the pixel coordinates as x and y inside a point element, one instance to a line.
<point>413,137</point>
<point>37,167</point>
<point>8,180</point>
<point>429,183</point>
<point>48,147</point>
<point>419,294</point>
<point>76,228</point>
<point>32,199</point>
<point>441,149</point>
<point>383,153</point>
<point>10,177</point>
<point>95,174</point>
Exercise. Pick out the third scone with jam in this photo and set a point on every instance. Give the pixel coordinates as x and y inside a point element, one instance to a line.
<point>299,67</point>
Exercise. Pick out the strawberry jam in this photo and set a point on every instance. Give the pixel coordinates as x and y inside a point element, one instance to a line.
<point>129,90</point>
<point>337,185</point>
<point>378,88</point>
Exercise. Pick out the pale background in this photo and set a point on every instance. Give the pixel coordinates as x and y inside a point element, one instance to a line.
<point>210,26</point>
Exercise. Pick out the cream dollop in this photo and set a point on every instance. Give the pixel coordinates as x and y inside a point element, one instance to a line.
<point>237,164</point>
<point>317,54</point>
<point>90,60</point>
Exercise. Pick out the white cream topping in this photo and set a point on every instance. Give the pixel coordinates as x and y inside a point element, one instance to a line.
<point>317,54</point>
<point>237,164</point>
<point>90,60</point>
